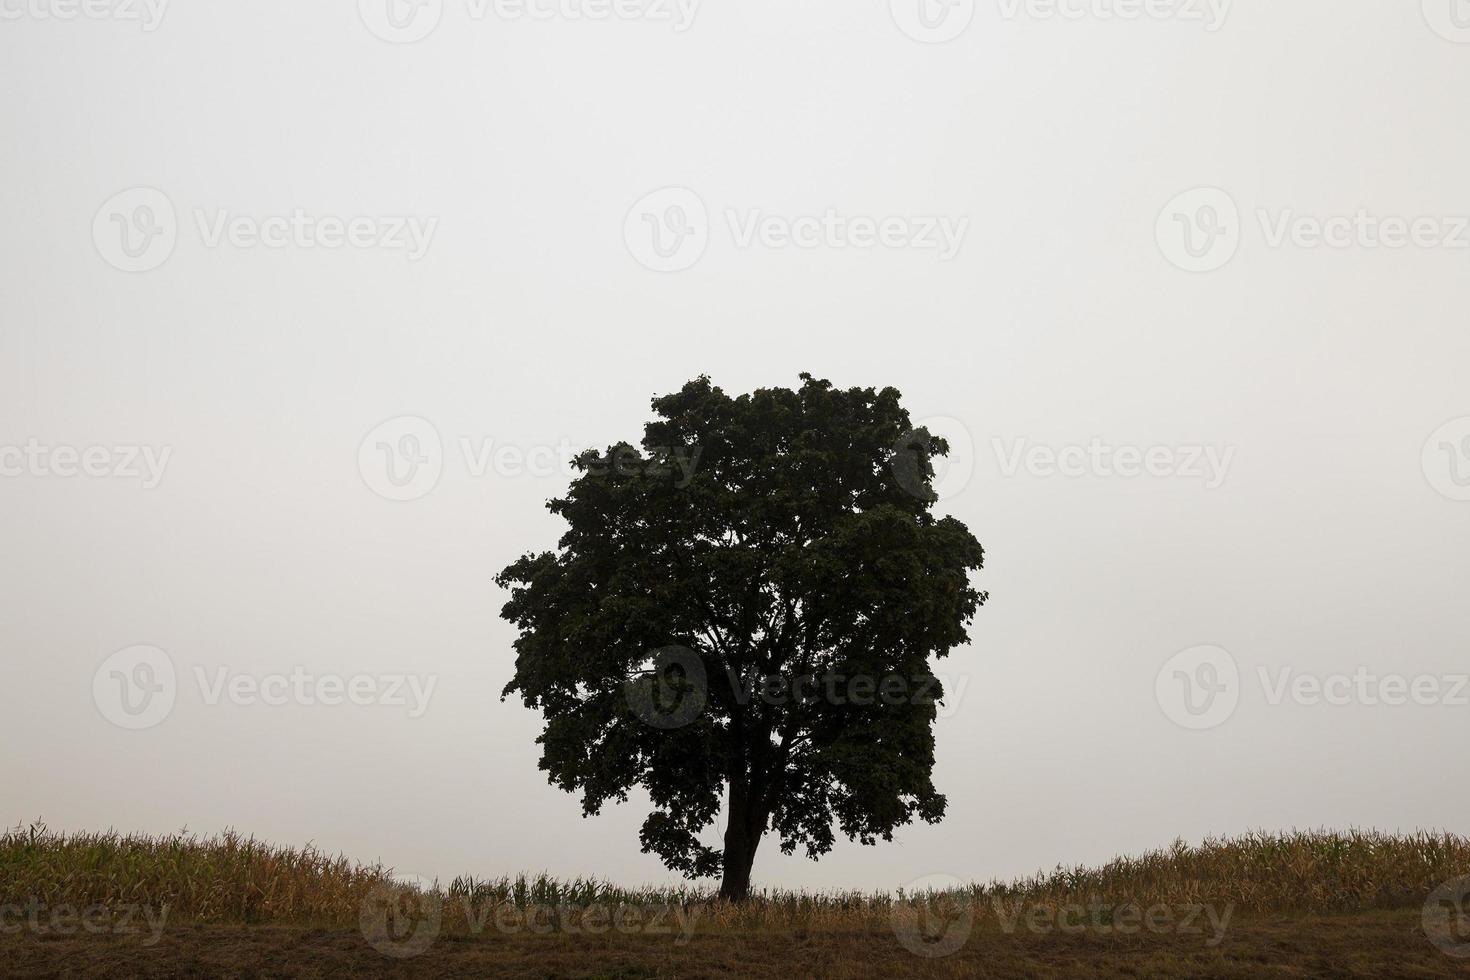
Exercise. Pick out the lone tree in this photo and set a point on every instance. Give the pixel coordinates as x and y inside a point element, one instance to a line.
<point>746,607</point>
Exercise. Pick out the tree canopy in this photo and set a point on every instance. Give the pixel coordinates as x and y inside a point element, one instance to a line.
<point>743,610</point>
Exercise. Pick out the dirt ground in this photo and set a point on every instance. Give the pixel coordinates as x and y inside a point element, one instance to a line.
<point>1376,945</point>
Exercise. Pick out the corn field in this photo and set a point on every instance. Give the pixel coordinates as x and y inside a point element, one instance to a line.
<point>233,879</point>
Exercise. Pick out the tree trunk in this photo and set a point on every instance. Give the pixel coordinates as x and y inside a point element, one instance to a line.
<point>742,837</point>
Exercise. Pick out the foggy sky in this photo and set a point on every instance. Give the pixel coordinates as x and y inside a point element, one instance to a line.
<point>1328,539</point>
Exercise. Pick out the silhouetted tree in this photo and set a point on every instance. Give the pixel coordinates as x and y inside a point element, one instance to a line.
<point>746,606</point>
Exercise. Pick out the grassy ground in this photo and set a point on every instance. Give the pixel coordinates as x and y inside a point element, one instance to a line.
<point>1297,905</point>
<point>1369,945</point>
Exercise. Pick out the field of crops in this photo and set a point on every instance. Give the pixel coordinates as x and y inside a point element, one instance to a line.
<point>1290,905</point>
<point>233,879</point>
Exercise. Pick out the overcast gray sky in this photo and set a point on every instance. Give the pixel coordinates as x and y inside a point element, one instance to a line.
<point>302,304</point>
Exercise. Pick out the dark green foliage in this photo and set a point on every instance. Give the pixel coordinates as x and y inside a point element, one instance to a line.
<point>750,542</point>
